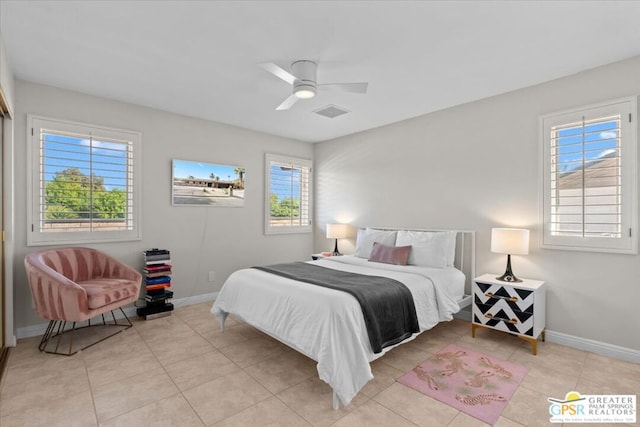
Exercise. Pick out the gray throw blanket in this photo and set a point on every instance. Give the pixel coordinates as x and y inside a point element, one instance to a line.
<point>387,305</point>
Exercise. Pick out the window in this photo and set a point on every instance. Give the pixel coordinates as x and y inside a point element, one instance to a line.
<point>288,195</point>
<point>83,183</point>
<point>590,182</point>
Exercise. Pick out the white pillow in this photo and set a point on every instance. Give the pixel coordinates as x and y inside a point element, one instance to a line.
<point>366,238</point>
<point>428,248</point>
<point>451,254</point>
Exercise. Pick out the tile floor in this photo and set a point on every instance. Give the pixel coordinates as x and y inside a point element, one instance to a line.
<point>182,371</point>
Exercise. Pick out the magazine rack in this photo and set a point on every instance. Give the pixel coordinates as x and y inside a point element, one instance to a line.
<point>157,281</point>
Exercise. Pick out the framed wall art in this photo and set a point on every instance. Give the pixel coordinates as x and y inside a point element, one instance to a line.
<point>207,184</point>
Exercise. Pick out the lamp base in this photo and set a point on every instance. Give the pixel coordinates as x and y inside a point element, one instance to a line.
<point>335,250</point>
<point>508,275</point>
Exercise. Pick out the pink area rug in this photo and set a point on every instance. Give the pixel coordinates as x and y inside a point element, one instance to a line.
<point>472,382</point>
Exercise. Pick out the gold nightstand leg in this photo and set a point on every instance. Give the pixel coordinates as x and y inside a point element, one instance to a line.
<point>533,342</point>
<point>475,326</point>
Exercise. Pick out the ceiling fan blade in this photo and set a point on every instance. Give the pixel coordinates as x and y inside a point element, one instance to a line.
<point>278,72</point>
<point>345,87</point>
<point>288,103</point>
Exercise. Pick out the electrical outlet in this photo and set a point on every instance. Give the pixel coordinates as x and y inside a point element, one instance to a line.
<point>212,276</point>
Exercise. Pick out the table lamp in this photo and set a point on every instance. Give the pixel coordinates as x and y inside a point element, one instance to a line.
<point>337,231</point>
<point>509,241</point>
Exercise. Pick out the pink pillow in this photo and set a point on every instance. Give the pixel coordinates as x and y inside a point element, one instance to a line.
<point>390,254</point>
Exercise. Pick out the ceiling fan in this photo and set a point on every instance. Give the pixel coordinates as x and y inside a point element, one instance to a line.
<point>303,80</point>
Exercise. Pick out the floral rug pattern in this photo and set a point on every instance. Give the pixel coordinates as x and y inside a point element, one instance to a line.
<point>472,382</point>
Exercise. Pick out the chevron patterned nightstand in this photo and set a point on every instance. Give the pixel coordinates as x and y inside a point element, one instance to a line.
<point>516,308</point>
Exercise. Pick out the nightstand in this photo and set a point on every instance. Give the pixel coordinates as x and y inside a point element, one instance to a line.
<point>514,307</point>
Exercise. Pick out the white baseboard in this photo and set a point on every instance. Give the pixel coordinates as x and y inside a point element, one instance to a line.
<point>40,328</point>
<point>196,299</point>
<point>31,330</point>
<point>597,347</point>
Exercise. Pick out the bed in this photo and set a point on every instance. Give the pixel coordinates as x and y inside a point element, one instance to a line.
<point>328,325</point>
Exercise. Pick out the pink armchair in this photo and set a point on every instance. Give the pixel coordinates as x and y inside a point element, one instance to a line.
<point>76,284</point>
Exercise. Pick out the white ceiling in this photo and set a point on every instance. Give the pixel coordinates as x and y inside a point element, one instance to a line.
<point>199,58</point>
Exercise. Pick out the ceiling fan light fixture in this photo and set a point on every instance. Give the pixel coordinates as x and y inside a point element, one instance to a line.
<point>304,91</point>
<point>303,79</point>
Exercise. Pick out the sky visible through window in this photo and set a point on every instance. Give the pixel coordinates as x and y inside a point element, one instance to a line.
<point>285,183</point>
<point>598,140</point>
<point>106,160</point>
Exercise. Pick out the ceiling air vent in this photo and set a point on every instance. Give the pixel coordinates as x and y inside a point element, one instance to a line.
<point>331,111</point>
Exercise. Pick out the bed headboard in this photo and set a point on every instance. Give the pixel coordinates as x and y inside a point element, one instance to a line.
<point>465,260</point>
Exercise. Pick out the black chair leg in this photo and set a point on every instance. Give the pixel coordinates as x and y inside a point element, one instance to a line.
<point>56,330</point>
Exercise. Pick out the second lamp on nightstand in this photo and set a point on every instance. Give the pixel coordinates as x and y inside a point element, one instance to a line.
<point>337,231</point>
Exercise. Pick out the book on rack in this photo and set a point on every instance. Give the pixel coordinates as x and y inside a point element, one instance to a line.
<point>158,295</point>
<point>157,292</point>
<point>158,262</point>
<point>161,303</point>
<point>148,258</point>
<point>156,251</point>
<point>150,312</point>
<point>156,280</point>
<point>157,267</point>
<point>159,273</point>
<point>158,286</point>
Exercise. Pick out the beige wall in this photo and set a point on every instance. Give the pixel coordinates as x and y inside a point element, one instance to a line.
<point>200,239</point>
<point>476,166</point>
<point>6,78</point>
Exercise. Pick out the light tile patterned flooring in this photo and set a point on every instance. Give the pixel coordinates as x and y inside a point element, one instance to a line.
<point>182,371</point>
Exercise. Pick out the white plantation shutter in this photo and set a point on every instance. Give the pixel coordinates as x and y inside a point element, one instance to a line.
<point>586,178</point>
<point>590,196</point>
<point>84,186</point>
<point>288,195</point>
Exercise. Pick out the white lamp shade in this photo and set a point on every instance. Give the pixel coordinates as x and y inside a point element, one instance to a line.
<point>513,241</point>
<point>337,231</point>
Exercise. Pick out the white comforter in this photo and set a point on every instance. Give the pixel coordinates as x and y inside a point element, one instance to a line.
<point>327,325</point>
